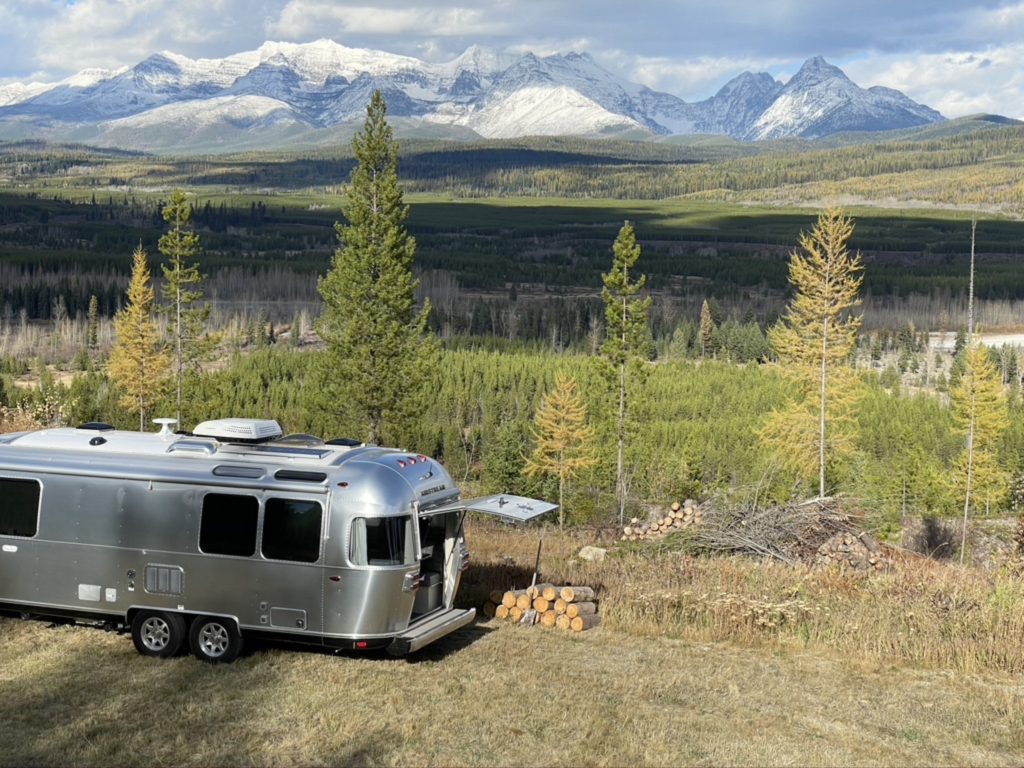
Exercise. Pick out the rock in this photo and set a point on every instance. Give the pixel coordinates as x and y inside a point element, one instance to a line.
<point>592,554</point>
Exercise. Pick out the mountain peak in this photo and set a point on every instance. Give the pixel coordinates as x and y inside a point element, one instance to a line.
<point>816,70</point>
<point>489,91</point>
<point>821,100</point>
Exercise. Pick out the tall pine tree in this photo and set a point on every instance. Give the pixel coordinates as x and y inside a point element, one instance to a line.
<point>706,329</point>
<point>182,292</point>
<point>627,343</point>
<point>378,344</point>
<point>92,326</point>
<point>137,364</point>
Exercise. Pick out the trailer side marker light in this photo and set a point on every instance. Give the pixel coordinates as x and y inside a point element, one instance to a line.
<point>343,484</point>
<point>334,578</point>
<point>361,644</point>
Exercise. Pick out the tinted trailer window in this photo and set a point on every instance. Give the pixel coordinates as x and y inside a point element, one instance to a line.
<point>382,541</point>
<point>19,512</point>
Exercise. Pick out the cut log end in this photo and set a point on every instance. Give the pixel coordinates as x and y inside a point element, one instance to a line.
<point>572,610</point>
<point>581,623</point>
<point>577,594</point>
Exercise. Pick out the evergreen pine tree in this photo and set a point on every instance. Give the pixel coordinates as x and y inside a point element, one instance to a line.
<point>817,336</point>
<point>563,438</point>
<point>182,292</point>
<point>137,363</point>
<point>707,329</point>
<point>627,343</point>
<point>92,327</point>
<point>378,345</point>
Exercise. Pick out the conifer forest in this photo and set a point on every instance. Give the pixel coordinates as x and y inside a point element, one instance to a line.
<point>508,244</point>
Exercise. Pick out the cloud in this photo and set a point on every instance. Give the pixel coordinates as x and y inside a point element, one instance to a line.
<point>692,79</point>
<point>956,84</point>
<point>301,18</point>
<point>60,38</point>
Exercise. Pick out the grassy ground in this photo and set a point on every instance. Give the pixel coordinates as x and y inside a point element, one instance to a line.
<point>493,696</point>
<point>698,662</point>
<point>922,612</point>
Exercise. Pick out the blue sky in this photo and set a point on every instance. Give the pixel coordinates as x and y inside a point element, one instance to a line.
<point>959,57</point>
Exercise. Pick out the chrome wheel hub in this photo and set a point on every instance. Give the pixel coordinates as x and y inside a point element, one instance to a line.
<point>214,640</point>
<point>156,634</point>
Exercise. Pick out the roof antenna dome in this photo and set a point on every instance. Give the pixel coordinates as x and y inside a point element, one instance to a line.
<point>165,426</point>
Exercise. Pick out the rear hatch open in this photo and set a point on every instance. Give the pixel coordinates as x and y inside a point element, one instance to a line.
<point>442,622</point>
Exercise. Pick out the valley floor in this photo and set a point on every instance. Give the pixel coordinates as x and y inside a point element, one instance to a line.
<point>493,695</point>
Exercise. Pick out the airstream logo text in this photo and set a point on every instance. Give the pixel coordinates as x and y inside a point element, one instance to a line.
<point>429,491</point>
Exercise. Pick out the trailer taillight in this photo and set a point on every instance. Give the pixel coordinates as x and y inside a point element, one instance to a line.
<point>362,644</point>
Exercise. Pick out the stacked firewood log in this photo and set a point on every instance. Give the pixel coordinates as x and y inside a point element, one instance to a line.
<point>849,550</point>
<point>568,608</point>
<point>678,517</point>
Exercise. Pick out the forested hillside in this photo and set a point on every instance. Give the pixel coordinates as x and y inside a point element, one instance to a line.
<point>514,284</point>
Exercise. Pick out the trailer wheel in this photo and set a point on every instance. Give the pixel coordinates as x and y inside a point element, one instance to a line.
<point>215,640</point>
<point>158,634</point>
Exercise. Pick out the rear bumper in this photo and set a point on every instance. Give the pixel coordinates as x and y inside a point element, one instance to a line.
<point>431,629</point>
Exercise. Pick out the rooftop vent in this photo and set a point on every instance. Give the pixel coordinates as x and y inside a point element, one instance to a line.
<point>239,430</point>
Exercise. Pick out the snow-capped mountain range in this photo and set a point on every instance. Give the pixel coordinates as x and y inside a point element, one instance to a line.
<point>285,93</point>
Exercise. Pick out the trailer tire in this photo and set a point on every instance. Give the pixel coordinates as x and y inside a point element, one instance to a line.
<point>158,634</point>
<point>215,640</point>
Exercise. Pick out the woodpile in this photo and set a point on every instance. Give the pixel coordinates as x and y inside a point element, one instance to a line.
<point>570,608</point>
<point>677,518</point>
<point>859,552</point>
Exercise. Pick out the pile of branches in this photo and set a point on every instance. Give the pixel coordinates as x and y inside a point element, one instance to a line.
<point>791,533</point>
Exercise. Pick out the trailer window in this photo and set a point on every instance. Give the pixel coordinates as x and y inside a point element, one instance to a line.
<point>291,530</point>
<point>19,514</point>
<point>228,525</point>
<point>382,541</point>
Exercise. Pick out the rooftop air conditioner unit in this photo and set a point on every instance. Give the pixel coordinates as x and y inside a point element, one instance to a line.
<point>239,430</point>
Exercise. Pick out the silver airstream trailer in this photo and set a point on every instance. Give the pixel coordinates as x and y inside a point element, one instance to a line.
<point>232,531</point>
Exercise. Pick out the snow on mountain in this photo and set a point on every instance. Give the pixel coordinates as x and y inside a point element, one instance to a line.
<point>15,92</point>
<point>820,100</point>
<point>537,110</point>
<point>241,111</point>
<point>739,103</point>
<point>496,94</point>
<point>317,61</point>
<point>224,122</point>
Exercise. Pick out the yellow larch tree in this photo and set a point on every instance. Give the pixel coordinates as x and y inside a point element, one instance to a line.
<point>137,363</point>
<point>980,413</point>
<point>564,439</point>
<point>814,342</point>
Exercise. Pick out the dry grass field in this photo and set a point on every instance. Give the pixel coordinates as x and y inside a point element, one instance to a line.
<point>643,689</point>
